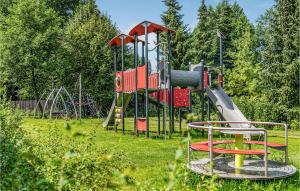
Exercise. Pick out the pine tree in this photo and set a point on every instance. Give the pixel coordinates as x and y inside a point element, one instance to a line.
<point>242,78</point>
<point>200,43</point>
<point>279,56</point>
<point>173,19</point>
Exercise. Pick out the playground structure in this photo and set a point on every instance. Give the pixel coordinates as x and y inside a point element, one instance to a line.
<point>239,167</point>
<point>173,88</point>
<point>60,103</point>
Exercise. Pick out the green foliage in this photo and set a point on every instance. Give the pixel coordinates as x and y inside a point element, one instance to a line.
<point>29,36</point>
<point>279,58</point>
<point>172,18</point>
<point>201,38</point>
<point>86,51</point>
<point>18,163</point>
<point>56,162</point>
<point>64,8</point>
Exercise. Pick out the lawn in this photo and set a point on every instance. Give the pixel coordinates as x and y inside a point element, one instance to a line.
<point>151,157</point>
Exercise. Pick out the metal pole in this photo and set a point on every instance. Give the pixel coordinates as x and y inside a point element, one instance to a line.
<point>158,90</point>
<point>208,101</point>
<point>136,81</point>
<point>143,62</point>
<point>170,79</point>
<point>202,91</point>
<point>80,87</point>
<point>143,53</point>
<point>165,95</point>
<point>179,119</point>
<point>266,152</point>
<point>115,93</point>
<point>221,58</point>
<point>210,134</point>
<point>190,93</point>
<point>189,148</point>
<point>173,110</point>
<point>123,120</point>
<point>147,74</point>
<point>286,143</point>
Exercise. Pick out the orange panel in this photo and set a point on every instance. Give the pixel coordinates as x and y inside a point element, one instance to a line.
<point>142,124</point>
<point>117,40</point>
<point>142,77</point>
<point>139,29</point>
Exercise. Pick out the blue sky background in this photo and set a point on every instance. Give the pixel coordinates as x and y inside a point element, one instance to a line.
<point>128,13</point>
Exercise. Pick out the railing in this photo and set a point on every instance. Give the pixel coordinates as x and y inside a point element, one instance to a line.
<point>210,128</point>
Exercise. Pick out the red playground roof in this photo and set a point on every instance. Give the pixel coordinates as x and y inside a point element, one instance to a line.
<point>152,27</point>
<point>117,40</point>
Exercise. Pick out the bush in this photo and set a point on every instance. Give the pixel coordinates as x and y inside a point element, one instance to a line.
<point>54,162</point>
<point>17,162</point>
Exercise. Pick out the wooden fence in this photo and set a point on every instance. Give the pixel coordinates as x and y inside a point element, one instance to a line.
<point>26,105</point>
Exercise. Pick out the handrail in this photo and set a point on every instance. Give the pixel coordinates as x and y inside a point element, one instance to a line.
<point>210,128</point>
<point>238,122</point>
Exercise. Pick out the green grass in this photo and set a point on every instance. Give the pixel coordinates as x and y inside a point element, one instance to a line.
<point>152,156</point>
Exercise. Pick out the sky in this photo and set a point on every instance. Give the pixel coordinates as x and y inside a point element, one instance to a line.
<point>128,13</point>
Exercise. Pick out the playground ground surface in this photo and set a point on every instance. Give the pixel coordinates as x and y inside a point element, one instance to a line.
<point>152,156</point>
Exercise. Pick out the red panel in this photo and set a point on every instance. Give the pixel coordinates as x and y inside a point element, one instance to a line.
<point>181,97</point>
<point>152,81</point>
<point>262,143</point>
<point>220,79</point>
<point>139,29</point>
<point>142,77</point>
<point>117,40</point>
<point>205,79</point>
<point>141,124</point>
<point>204,146</point>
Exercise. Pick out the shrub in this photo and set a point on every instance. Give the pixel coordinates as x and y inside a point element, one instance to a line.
<point>17,162</point>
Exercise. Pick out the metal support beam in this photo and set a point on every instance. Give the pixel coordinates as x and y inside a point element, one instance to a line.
<point>143,53</point>
<point>190,94</point>
<point>170,82</point>
<point>147,75</point>
<point>208,100</point>
<point>123,120</point>
<point>180,119</point>
<point>158,90</point>
<point>115,93</point>
<point>221,57</point>
<point>202,92</point>
<point>135,83</point>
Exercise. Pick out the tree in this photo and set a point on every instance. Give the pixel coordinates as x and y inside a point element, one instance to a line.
<point>242,79</point>
<point>201,39</point>
<point>64,8</point>
<point>86,52</point>
<point>223,16</point>
<point>173,19</point>
<point>279,57</point>
<point>29,40</point>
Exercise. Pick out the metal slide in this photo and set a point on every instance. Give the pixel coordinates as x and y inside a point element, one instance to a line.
<point>111,115</point>
<point>226,107</point>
